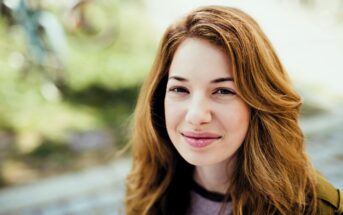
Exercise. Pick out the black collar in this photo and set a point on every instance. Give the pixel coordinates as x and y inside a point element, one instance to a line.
<point>213,196</point>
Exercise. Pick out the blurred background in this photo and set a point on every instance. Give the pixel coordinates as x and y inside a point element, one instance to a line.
<point>70,71</point>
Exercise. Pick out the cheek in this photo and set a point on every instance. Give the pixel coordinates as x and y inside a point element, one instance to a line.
<point>243,120</point>
<point>236,118</point>
<point>173,120</point>
<point>172,114</point>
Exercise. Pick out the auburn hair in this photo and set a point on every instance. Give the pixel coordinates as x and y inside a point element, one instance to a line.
<point>273,174</point>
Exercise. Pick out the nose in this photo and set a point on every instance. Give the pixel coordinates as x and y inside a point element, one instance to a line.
<point>198,111</point>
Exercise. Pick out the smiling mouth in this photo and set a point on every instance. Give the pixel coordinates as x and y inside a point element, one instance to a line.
<point>200,140</point>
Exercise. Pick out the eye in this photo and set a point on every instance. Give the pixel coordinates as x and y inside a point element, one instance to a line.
<point>178,90</point>
<point>224,91</point>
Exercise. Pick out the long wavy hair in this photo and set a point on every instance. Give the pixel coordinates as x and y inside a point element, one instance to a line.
<point>273,174</point>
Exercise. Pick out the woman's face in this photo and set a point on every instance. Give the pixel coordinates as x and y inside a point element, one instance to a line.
<point>206,119</point>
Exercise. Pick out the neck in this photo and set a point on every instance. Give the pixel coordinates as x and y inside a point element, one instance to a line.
<point>215,177</point>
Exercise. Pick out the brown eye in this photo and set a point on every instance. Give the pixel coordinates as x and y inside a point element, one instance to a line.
<point>224,91</point>
<point>178,90</point>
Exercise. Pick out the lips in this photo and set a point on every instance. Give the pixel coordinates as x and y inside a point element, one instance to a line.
<point>200,140</point>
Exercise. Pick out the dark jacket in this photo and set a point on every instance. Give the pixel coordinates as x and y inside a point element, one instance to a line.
<point>330,199</point>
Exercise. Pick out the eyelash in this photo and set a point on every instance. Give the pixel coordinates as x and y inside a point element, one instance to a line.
<point>177,90</point>
<point>227,91</point>
<point>184,90</point>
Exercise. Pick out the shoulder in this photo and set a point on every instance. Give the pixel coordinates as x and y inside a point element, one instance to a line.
<point>330,199</point>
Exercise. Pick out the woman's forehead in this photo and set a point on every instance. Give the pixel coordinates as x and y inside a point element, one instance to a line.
<point>197,57</point>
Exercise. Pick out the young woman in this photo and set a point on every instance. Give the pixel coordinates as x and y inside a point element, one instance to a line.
<point>216,127</point>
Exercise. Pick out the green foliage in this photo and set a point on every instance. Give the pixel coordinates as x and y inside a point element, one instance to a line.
<point>102,74</point>
<point>49,149</point>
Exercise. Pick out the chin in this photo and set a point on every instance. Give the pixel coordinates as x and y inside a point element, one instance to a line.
<point>198,161</point>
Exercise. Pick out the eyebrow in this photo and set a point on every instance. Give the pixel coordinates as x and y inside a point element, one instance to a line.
<point>217,80</point>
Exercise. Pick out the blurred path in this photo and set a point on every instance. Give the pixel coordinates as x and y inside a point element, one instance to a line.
<point>93,191</point>
<point>100,190</point>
